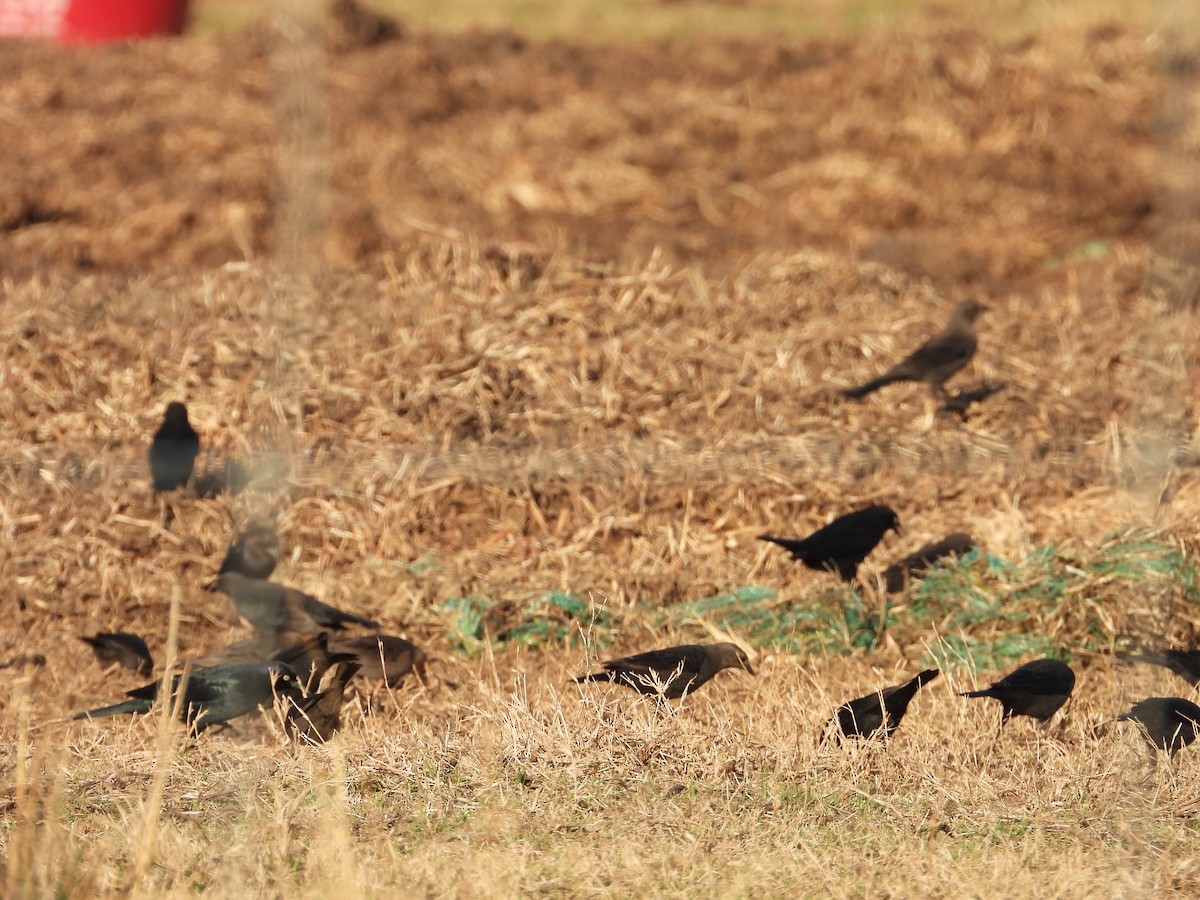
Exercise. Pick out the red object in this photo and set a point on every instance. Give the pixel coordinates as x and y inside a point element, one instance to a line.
<point>89,21</point>
<point>92,21</point>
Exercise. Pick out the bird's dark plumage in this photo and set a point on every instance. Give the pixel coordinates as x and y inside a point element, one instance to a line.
<point>215,694</point>
<point>1184,663</point>
<point>312,658</point>
<point>674,670</point>
<point>897,575</point>
<point>384,657</point>
<point>1171,723</point>
<point>254,553</point>
<point>935,360</point>
<point>1036,689</point>
<point>316,718</point>
<point>271,607</point>
<point>865,717</point>
<point>842,544</point>
<point>174,449</point>
<point>121,647</point>
<point>961,402</point>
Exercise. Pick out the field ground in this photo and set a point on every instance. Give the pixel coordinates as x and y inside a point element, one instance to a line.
<point>528,341</point>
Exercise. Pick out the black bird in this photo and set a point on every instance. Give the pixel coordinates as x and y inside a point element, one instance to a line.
<point>1184,663</point>
<point>384,657</point>
<point>174,449</point>
<point>865,716</point>
<point>961,402</point>
<point>121,647</point>
<point>842,544</point>
<point>1036,689</point>
<point>271,607</point>
<point>317,717</point>
<point>254,553</point>
<point>935,360</point>
<point>1170,723</point>
<point>215,694</point>
<point>670,672</point>
<point>897,575</point>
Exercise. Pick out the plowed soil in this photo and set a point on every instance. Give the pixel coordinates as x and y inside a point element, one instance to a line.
<point>945,154</point>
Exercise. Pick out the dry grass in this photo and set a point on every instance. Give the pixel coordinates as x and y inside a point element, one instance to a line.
<point>449,432</point>
<point>524,460</point>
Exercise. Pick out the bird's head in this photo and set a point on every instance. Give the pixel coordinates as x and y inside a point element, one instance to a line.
<point>176,413</point>
<point>886,518</point>
<point>284,679</point>
<point>970,310</point>
<point>734,657</point>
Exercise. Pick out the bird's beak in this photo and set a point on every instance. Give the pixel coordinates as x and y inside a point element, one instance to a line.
<point>749,668</point>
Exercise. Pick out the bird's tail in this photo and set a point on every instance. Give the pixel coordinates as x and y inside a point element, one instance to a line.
<point>135,705</point>
<point>593,676</point>
<point>869,387</point>
<point>927,676</point>
<point>795,546</point>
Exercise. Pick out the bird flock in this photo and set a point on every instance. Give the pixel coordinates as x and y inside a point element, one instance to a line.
<point>293,658</point>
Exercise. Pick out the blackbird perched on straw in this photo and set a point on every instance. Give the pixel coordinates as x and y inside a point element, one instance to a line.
<point>271,607</point>
<point>315,719</point>
<point>254,553</point>
<point>384,657</point>
<point>1184,663</point>
<point>842,544</point>
<point>672,671</point>
<point>1170,723</point>
<point>121,647</point>
<point>935,360</point>
<point>213,695</point>
<point>897,575</point>
<point>1036,689</point>
<point>881,710</point>
<point>174,449</point>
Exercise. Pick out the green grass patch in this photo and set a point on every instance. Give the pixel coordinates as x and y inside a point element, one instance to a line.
<point>978,611</point>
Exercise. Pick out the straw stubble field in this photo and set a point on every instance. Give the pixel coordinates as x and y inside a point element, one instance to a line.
<point>567,360</point>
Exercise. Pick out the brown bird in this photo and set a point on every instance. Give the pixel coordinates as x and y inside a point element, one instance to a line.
<point>254,553</point>
<point>842,544</point>
<point>1184,663</point>
<point>310,656</point>
<point>384,657</point>
<point>669,672</point>
<point>121,647</point>
<point>881,710</point>
<point>173,451</point>
<point>316,718</point>
<point>271,607</point>
<point>1170,723</point>
<point>228,475</point>
<point>1036,689</point>
<point>897,575</point>
<point>254,649</point>
<point>935,360</point>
